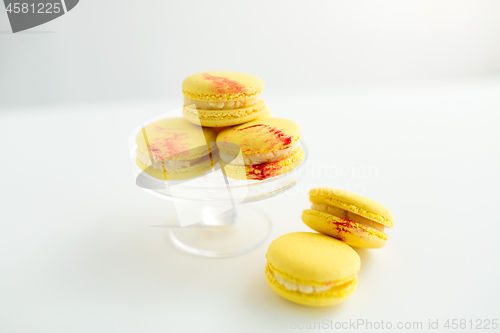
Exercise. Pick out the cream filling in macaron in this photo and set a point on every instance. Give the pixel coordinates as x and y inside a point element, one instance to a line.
<point>303,288</point>
<point>346,215</point>
<point>261,158</point>
<point>221,105</point>
<point>168,165</point>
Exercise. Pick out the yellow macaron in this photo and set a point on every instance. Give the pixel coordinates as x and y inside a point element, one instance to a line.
<point>218,99</point>
<point>263,171</point>
<point>350,217</point>
<point>174,149</point>
<point>260,149</point>
<point>312,269</point>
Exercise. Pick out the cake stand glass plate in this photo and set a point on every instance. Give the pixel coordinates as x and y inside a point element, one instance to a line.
<point>213,215</point>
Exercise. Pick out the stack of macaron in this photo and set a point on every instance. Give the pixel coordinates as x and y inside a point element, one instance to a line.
<point>223,113</point>
<point>252,144</point>
<point>320,269</point>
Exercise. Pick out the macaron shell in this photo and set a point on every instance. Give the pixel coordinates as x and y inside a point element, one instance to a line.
<point>263,171</point>
<point>354,203</point>
<point>180,174</point>
<point>221,86</point>
<point>312,258</point>
<point>331,297</point>
<point>259,136</point>
<point>176,139</point>
<point>222,118</point>
<point>350,232</point>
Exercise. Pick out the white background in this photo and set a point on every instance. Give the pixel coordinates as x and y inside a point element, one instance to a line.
<point>410,91</point>
<point>123,49</point>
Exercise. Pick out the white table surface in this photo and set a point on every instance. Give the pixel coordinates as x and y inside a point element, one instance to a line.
<point>77,255</point>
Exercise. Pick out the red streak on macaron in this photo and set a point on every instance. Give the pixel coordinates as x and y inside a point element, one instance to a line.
<point>344,226</point>
<point>222,85</point>
<point>263,171</point>
<point>169,145</point>
<point>272,135</point>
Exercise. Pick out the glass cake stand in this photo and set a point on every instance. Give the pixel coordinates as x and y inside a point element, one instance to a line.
<point>214,218</point>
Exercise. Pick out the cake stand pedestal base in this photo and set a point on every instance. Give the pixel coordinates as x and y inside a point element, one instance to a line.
<point>225,234</point>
